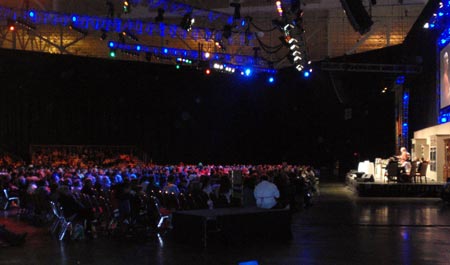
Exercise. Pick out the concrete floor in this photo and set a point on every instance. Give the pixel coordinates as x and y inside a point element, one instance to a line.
<point>339,229</point>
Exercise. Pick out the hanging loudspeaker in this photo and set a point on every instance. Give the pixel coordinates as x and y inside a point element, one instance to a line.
<point>357,15</point>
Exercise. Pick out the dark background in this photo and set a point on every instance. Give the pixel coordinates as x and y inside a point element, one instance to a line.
<point>185,115</point>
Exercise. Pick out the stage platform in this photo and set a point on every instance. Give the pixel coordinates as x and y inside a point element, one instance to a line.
<point>392,189</point>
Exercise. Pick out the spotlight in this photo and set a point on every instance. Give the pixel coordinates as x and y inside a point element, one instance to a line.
<point>299,67</point>
<point>247,72</point>
<point>306,74</point>
<point>73,27</point>
<point>208,71</point>
<point>126,7</point>
<point>279,8</point>
<point>206,55</point>
<point>220,45</point>
<point>426,25</point>
<point>128,34</point>
<point>187,21</point>
<point>443,119</point>
<point>160,17</point>
<point>31,14</point>
<point>11,24</point>
<point>112,53</point>
<point>271,79</point>
<point>237,10</point>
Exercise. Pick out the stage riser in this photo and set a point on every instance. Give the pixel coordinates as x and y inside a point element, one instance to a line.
<point>370,189</point>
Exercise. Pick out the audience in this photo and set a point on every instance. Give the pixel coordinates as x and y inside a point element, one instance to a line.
<point>125,185</point>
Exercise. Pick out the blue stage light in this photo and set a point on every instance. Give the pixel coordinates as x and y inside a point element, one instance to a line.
<point>166,50</point>
<point>440,14</point>
<point>31,14</point>
<point>400,80</point>
<point>138,48</point>
<point>74,19</point>
<point>248,72</point>
<point>443,119</point>
<point>405,124</point>
<point>271,79</point>
<point>111,44</point>
<point>443,41</point>
<point>306,74</point>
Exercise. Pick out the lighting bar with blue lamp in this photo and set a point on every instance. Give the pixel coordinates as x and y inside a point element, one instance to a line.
<point>230,62</point>
<point>110,25</point>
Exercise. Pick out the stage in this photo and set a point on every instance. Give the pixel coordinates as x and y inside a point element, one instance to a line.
<point>431,189</point>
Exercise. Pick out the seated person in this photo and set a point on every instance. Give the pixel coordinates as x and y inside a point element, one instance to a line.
<point>405,171</point>
<point>266,193</point>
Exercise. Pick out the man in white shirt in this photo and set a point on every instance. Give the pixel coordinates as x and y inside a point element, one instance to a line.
<point>266,194</point>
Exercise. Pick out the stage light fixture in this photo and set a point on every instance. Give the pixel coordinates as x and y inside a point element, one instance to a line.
<point>31,14</point>
<point>187,21</point>
<point>220,45</point>
<point>206,55</point>
<point>126,7</point>
<point>279,8</point>
<point>11,24</point>
<point>208,71</point>
<point>128,34</point>
<point>237,10</point>
<point>74,19</point>
<point>247,72</point>
<point>160,17</point>
<point>293,47</point>
<point>112,53</point>
<point>74,28</point>
<point>271,79</point>
<point>306,74</point>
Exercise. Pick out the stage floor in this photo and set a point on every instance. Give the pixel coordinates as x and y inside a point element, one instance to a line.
<point>393,189</point>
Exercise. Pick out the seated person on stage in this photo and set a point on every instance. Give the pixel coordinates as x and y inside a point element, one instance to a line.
<point>405,172</point>
<point>404,162</point>
<point>266,193</point>
<point>404,155</point>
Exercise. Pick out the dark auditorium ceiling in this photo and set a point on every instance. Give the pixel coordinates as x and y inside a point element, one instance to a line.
<point>328,32</point>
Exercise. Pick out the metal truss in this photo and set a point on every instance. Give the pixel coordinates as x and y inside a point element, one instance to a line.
<point>374,68</point>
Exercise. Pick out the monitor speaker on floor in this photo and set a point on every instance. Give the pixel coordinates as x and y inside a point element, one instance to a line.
<point>357,15</point>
